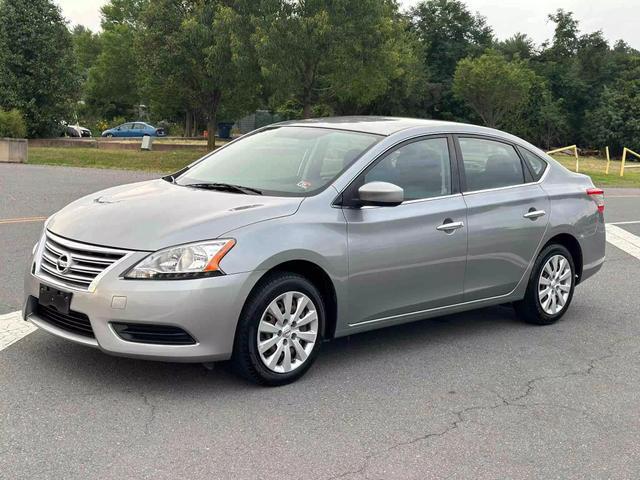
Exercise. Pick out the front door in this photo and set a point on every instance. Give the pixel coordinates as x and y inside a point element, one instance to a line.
<point>506,217</point>
<point>405,259</point>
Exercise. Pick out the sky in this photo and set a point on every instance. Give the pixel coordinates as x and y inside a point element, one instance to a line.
<point>616,18</point>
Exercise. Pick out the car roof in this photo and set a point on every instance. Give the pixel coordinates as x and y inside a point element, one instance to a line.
<point>385,125</point>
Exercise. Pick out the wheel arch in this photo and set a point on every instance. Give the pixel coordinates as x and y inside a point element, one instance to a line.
<point>320,279</point>
<point>572,244</point>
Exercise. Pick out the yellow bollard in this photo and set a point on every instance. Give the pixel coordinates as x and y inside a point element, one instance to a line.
<point>564,149</point>
<point>624,159</point>
<point>608,161</point>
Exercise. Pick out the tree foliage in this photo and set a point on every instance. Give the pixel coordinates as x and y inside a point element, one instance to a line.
<point>12,124</point>
<point>493,86</point>
<point>38,74</point>
<point>210,65</point>
<point>198,62</point>
<point>331,51</point>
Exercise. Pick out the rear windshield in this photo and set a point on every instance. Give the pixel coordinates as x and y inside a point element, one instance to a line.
<point>284,161</point>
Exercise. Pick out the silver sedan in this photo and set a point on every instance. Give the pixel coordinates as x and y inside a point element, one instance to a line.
<point>305,231</point>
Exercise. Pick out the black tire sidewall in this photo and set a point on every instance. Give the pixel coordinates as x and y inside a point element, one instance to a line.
<point>246,356</point>
<point>533,294</point>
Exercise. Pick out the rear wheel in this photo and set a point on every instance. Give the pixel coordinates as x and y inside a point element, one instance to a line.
<point>550,289</point>
<point>280,330</point>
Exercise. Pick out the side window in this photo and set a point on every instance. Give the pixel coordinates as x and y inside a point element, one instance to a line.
<point>535,163</point>
<point>138,126</point>
<point>421,168</point>
<point>490,164</point>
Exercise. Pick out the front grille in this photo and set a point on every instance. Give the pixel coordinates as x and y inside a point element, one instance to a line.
<point>73,264</point>
<point>74,322</point>
<point>156,334</point>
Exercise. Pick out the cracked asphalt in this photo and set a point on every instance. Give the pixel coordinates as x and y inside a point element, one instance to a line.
<point>476,395</point>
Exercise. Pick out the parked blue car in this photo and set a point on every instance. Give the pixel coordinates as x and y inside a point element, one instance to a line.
<point>134,129</point>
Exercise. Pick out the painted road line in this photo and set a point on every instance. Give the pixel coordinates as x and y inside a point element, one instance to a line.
<point>625,241</point>
<point>7,221</point>
<point>633,222</point>
<point>13,328</point>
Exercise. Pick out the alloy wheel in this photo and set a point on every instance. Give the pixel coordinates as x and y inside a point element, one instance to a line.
<point>554,284</point>
<point>287,332</point>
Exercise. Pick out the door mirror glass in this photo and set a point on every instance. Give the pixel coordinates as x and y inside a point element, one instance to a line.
<point>382,194</point>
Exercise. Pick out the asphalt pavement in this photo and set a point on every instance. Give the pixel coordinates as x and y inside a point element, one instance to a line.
<point>467,396</point>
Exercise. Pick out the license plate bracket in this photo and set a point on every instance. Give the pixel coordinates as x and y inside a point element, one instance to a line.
<point>52,297</point>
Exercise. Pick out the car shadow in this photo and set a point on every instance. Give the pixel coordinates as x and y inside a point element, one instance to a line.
<point>96,371</point>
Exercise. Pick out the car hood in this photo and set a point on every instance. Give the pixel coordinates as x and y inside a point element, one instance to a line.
<point>156,214</point>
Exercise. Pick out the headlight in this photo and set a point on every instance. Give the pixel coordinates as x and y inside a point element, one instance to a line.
<point>194,260</point>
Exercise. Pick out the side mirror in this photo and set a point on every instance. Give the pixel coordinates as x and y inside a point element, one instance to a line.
<point>381,194</point>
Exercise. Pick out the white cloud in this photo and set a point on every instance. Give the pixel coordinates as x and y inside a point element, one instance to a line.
<point>82,12</point>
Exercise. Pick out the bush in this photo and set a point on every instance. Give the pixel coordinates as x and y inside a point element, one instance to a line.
<point>12,124</point>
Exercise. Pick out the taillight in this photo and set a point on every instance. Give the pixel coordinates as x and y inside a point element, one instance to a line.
<point>598,196</point>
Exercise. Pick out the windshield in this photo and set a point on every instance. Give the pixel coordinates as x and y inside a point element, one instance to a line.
<point>289,161</point>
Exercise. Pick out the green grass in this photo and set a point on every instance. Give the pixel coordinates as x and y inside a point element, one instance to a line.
<point>172,161</point>
<point>119,159</point>
<point>596,167</point>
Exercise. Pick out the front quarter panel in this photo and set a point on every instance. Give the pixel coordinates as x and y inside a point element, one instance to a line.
<point>315,233</point>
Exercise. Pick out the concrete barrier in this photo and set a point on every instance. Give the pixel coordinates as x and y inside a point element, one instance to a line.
<point>13,150</point>
<point>112,144</point>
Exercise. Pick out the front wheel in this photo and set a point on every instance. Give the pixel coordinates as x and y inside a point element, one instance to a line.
<point>550,287</point>
<point>280,330</point>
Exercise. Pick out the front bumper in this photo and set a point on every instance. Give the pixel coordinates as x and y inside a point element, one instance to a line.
<point>206,308</point>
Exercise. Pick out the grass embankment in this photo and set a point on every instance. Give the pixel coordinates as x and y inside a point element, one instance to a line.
<point>596,167</point>
<point>120,159</point>
<point>172,161</point>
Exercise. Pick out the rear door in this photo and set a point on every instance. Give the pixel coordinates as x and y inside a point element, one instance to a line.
<point>138,130</point>
<point>404,259</point>
<point>507,215</point>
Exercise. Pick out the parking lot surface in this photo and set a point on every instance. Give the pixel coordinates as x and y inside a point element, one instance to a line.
<point>473,395</point>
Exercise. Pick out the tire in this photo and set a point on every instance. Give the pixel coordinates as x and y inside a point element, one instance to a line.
<point>538,305</point>
<point>292,347</point>
<point>109,135</point>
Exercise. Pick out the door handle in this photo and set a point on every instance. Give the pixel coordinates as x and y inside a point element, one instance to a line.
<point>449,226</point>
<point>532,214</point>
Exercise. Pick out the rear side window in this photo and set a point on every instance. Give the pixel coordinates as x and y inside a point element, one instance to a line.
<point>421,168</point>
<point>535,163</point>
<point>490,164</point>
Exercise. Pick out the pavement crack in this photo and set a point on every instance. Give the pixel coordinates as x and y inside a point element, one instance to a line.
<point>152,413</point>
<point>591,365</point>
<point>459,415</point>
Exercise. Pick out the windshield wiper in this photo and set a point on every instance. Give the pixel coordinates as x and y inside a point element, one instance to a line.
<point>228,187</point>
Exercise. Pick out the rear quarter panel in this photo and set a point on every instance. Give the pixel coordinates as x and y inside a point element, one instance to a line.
<point>575,213</point>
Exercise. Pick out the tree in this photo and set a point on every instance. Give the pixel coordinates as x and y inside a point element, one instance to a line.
<point>210,63</point>
<point>86,48</point>
<point>112,88</point>
<point>519,46</point>
<point>615,122</point>
<point>449,33</point>
<point>38,75</point>
<point>492,86</point>
<point>331,51</point>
